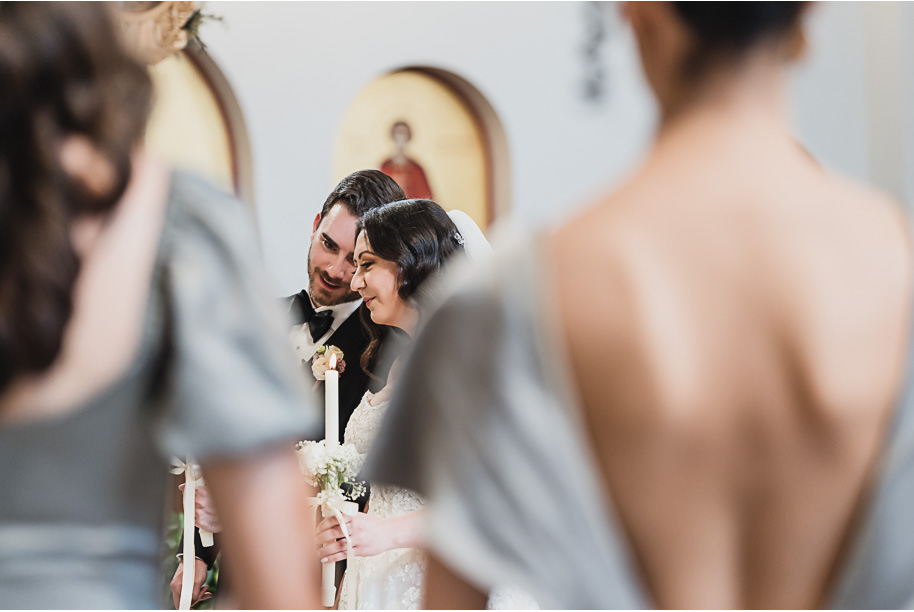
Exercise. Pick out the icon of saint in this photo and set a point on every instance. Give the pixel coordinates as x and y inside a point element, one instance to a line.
<point>407,172</point>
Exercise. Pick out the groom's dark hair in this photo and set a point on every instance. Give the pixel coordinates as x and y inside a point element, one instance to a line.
<point>362,191</point>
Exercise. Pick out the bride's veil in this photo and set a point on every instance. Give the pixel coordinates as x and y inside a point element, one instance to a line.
<point>475,246</point>
<point>474,241</point>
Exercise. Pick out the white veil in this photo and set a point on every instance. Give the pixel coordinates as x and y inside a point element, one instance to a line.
<point>474,241</point>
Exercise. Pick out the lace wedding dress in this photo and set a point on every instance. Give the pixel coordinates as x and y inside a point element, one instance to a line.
<point>393,579</point>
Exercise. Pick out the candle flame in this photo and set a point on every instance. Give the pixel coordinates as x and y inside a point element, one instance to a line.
<point>333,361</point>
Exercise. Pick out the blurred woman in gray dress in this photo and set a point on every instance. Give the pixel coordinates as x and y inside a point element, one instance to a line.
<point>698,392</point>
<point>132,328</point>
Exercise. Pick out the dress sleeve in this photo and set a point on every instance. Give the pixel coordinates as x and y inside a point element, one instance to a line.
<point>234,385</point>
<point>450,435</point>
<point>484,426</point>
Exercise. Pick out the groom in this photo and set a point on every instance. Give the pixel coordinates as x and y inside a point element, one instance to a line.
<point>327,311</point>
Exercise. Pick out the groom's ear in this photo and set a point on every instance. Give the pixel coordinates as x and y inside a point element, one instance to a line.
<point>317,222</point>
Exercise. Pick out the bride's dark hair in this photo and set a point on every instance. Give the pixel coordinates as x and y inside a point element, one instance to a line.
<point>417,235</point>
<point>62,74</point>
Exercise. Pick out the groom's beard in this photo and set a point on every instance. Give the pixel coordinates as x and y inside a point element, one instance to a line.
<point>319,296</point>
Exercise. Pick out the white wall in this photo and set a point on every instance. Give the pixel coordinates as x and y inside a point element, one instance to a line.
<point>829,97</point>
<point>295,66</point>
<point>907,77</point>
<point>852,93</point>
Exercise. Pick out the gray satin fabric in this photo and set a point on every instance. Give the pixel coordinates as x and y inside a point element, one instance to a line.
<point>82,495</point>
<point>496,446</point>
<point>56,566</point>
<point>879,571</point>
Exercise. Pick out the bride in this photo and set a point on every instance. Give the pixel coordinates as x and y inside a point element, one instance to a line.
<point>399,249</point>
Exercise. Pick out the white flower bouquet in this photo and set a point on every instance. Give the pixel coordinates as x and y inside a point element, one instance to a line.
<point>330,467</point>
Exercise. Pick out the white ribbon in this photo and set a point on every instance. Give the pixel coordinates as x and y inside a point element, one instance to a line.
<point>193,479</point>
<point>333,503</point>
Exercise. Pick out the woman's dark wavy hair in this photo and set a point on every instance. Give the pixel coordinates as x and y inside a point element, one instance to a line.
<point>417,235</point>
<point>62,73</point>
<point>730,29</point>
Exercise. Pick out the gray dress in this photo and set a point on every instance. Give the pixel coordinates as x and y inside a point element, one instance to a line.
<point>82,495</point>
<point>487,427</point>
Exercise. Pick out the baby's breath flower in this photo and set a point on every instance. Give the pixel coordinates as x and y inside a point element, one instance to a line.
<point>330,467</point>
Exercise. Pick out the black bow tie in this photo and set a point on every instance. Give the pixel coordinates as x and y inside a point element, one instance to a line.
<point>318,322</point>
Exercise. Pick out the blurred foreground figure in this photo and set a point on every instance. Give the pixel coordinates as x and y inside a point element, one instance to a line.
<point>132,328</point>
<point>696,394</point>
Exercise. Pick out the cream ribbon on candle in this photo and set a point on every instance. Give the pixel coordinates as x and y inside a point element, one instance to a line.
<point>178,468</point>
<point>193,479</point>
<point>333,503</point>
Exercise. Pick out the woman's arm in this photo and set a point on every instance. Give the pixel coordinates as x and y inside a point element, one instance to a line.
<point>445,590</point>
<point>263,503</point>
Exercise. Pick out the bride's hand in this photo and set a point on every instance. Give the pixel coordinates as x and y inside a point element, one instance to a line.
<point>370,535</point>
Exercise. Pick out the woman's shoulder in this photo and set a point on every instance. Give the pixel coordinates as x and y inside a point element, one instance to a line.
<point>376,400</point>
<point>865,206</point>
<point>874,229</point>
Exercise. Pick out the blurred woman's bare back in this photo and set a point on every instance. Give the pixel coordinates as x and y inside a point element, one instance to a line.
<point>738,358</point>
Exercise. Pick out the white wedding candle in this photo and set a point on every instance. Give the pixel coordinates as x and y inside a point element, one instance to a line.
<point>332,403</point>
<point>187,583</point>
<point>332,436</point>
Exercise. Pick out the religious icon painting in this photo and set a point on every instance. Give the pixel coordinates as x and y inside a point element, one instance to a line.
<point>406,171</point>
<point>419,131</point>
